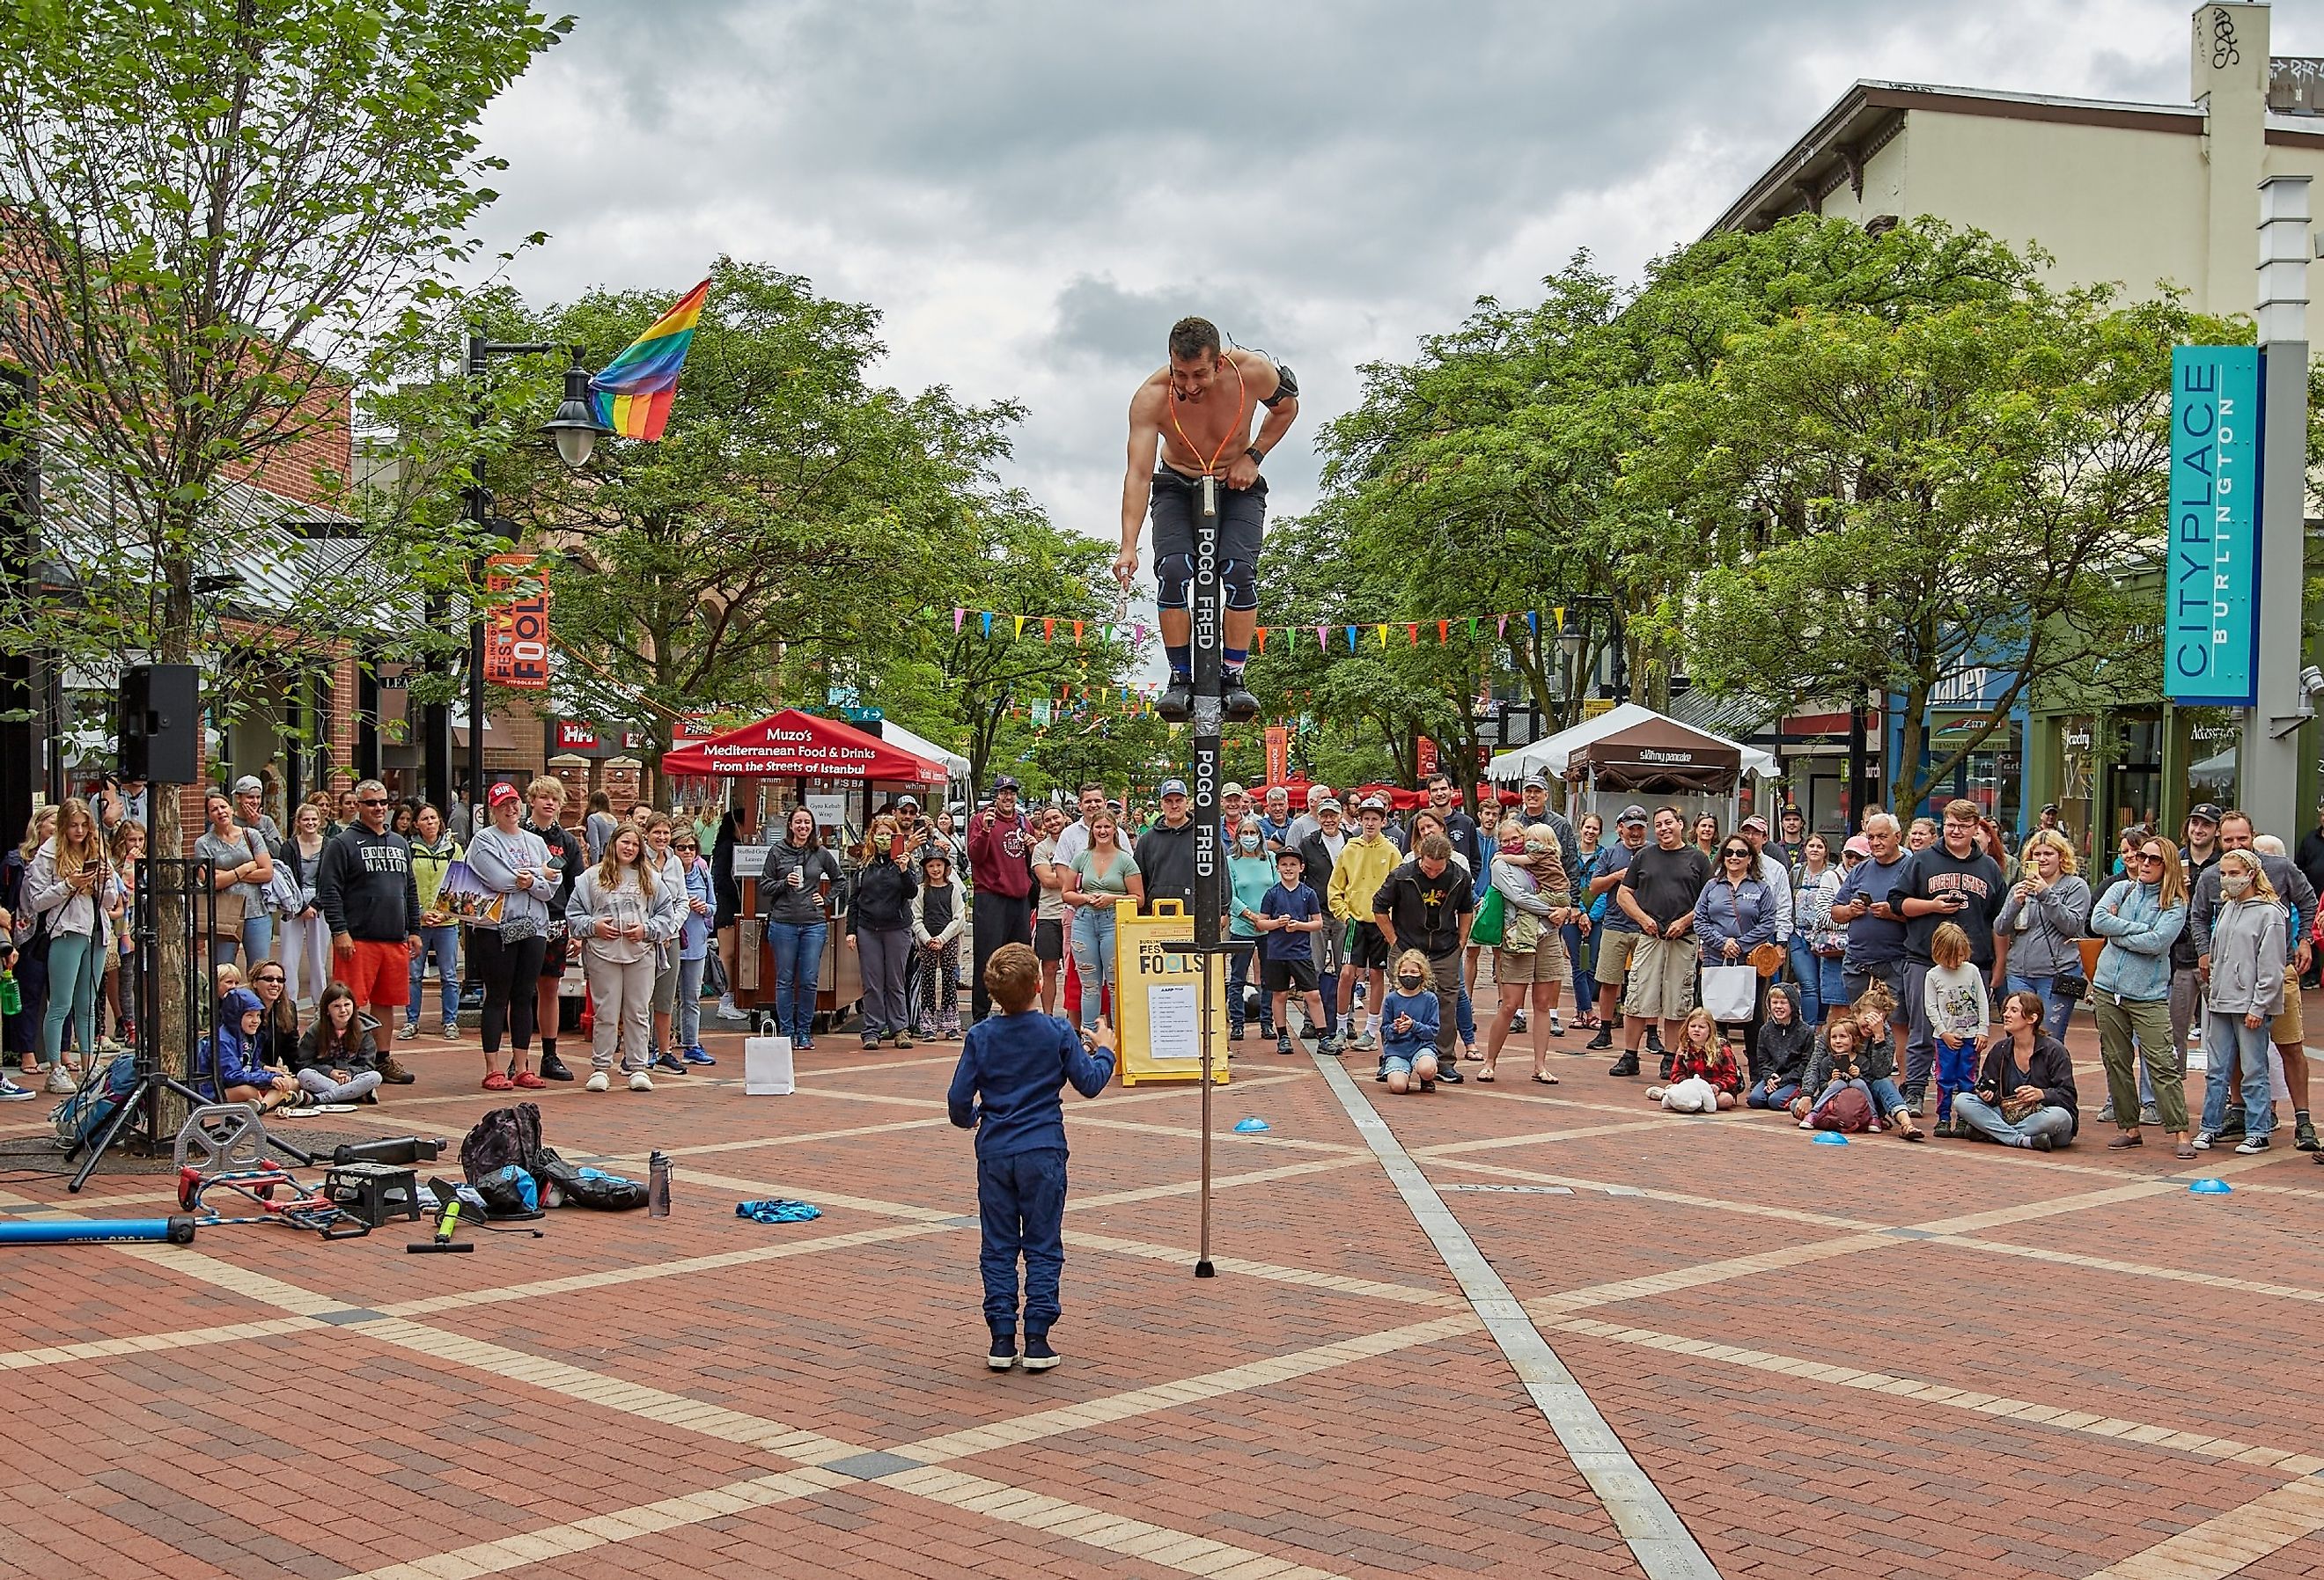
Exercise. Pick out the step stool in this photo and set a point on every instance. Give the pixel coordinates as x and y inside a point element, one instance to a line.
<point>373,1192</point>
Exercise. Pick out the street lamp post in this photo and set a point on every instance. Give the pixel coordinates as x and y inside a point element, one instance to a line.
<point>574,430</point>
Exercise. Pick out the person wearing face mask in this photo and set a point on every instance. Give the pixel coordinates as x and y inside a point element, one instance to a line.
<point>2244,951</point>
<point>1426,904</point>
<point>2233,832</point>
<point>1251,873</point>
<point>1411,1018</point>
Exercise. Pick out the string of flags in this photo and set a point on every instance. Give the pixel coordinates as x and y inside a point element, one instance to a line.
<point>1467,627</point>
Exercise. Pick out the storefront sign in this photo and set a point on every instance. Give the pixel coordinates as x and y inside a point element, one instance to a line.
<point>516,628</point>
<point>2211,608</point>
<point>574,737</point>
<point>1425,756</point>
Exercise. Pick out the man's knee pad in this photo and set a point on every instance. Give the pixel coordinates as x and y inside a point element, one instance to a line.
<point>1174,573</point>
<point>1242,581</point>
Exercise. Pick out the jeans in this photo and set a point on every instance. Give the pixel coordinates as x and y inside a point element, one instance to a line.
<point>1464,1018</point>
<point>306,952</point>
<point>1239,972</point>
<point>1585,986</point>
<point>76,966</point>
<point>689,1002</point>
<point>354,1089</point>
<point>444,943</point>
<point>257,940</point>
<point>2056,1008</point>
<point>2149,1020</point>
<point>1823,986</point>
<point>2227,1039</point>
<point>886,956</point>
<point>1885,1099</point>
<point>798,947</point>
<point>1770,1093</point>
<point>621,994</point>
<point>1093,943</point>
<point>1020,1206</point>
<point>1985,1118</point>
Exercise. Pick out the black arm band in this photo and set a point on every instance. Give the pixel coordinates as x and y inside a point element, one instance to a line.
<point>1286,386</point>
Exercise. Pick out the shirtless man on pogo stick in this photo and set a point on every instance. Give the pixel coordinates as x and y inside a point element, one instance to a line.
<point>1197,413</point>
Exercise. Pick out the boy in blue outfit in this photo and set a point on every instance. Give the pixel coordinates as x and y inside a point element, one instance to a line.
<point>1018,1062</point>
<point>1289,918</point>
<point>1408,1023</point>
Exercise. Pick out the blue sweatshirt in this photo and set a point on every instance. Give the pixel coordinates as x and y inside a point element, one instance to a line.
<point>1422,1038</point>
<point>1019,1064</point>
<point>227,1058</point>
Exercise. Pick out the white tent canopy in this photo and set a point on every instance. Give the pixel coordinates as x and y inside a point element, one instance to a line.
<point>896,734</point>
<point>1552,754</point>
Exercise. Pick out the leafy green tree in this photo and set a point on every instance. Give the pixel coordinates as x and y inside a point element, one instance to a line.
<point>215,212</point>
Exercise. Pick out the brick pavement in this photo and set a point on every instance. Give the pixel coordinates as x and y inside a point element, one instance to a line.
<point>1882,1359</point>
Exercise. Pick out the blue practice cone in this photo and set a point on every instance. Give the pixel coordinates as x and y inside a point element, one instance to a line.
<point>1830,1138</point>
<point>1251,1126</point>
<point>2210,1188</point>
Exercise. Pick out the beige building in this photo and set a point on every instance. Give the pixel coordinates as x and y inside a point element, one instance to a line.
<point>2140,194</point>
<point>2136,193</point>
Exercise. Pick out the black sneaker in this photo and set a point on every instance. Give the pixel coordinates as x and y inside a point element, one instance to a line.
<point>1381,1074</point>
<point>1003,1353</point>
<point>1628,1065</point>
<point>1602,1041</point>
<point>1664,1069</point>
<point>1177,703</point>
<point>552,1069</point>
<point>1654,1040</point>
<point>667,1060</point>
<point>1449,1075</point>
<point>1328,1047</point>
<point>1282,1044</point>
<point>1236,703</point>
<point>2303,1136</point>
<point>2040,1142</point>
<point>1039,1356</point>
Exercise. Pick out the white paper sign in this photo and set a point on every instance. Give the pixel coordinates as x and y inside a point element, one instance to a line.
<point>749,861</point>
<point>1174,1021</point>
<point>830,810</point>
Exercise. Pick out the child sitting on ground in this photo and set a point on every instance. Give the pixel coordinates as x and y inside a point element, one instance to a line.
<point>338,1061</point>
<point>1704,1078</point>
<point>1409,1026</point>
<point>228,1062</point>
<point>1013,1069</point>
<point>1786,1042</point>
<point>1954,1000</point>
<point>1857,1052</point>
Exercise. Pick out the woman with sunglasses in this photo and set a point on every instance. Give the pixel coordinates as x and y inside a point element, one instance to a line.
<point>693,940</point>
<point>1734,915</point>
<point>2140,915</point>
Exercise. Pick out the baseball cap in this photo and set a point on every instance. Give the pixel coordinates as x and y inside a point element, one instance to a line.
<point>1329,804</point>
<point>1536,781</point>
<point>1291,853</point>
<point>911,801</point>
<point>1857,846</point>
<point>249,784</point>
<point>502,794</point>
<point>2209,811</point>
<point>1633,813</point>
<point>1005,783</point>
<point>1755,823</point>
<point>1173,787</point>
<point>1231,789</point>
<point>1372,804</point>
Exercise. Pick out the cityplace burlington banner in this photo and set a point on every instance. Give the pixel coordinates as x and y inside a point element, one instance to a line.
<point>2210,631</point>
<point>516,628</point>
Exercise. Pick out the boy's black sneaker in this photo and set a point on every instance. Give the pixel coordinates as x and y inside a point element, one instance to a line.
<point>1003,1353</point>
<point>1602,1041</point>
<point>1177,703</point>
<point>1039,1356</point>
<point>1665,1070</point>
<point>1450,1075</point>
<point>1654,1040</point>
<point>1282,1044</point>
<point>1381,1074</point>
<point>1628,1065</point>
<point>552,1069</point>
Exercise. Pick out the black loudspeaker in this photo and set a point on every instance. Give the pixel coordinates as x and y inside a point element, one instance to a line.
<point>161,723</point>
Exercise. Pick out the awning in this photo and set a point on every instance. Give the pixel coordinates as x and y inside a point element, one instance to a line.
<point>797,745</point>
<point>1631,742</point>
<point>896,734</point>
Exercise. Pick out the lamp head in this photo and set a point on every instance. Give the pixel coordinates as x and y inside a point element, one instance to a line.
<point>575,428</point>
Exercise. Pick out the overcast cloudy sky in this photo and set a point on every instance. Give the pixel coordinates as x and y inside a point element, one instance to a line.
<point>1031,190</point>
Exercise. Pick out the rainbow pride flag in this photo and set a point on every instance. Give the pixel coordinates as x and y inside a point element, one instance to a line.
<point>633,394</point>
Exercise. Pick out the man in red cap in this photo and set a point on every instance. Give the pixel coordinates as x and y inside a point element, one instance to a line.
<point>1000,863</point>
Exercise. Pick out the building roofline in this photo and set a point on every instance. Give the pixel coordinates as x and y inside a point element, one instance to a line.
<point>1870,103</point>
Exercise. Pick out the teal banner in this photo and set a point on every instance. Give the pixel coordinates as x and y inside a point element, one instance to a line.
<point>2211,617</point>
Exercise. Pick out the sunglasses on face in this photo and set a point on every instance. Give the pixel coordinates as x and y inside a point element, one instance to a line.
<point>272,979</point>
<point>2149,856</point>
<point>371,801</point>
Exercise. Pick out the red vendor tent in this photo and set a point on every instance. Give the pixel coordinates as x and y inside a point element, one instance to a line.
<point>795,744</point>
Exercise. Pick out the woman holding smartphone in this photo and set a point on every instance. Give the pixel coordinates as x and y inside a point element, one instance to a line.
<point>796,890</point>
<point>512,861</point>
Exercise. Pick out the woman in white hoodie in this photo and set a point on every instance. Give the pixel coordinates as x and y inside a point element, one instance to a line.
<point>626,912</point>
<point>2245,993</point>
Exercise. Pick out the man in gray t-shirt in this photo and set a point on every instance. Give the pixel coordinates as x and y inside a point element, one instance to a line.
<point>1617,933</point>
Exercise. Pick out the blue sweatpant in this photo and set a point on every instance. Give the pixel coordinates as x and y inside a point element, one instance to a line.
<point>1020,1200</point>
<point>1956,1072</point>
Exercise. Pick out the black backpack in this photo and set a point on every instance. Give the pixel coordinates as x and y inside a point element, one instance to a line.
<point>502,1137</point>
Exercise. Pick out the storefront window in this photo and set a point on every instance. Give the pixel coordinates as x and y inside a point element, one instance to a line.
<point>2213,735</point>
<point>1997,777</point>
<point>2135,792</point>
<point>2076,779</point>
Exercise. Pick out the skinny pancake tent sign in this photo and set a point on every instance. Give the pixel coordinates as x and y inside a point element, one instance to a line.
<point>2211,615</point>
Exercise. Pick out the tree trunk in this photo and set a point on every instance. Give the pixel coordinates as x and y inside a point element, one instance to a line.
<point>172,1034</point>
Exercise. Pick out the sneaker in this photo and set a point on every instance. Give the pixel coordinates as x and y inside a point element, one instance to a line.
<point>12,1092</point>
<point>1237,704</point>
<point>1328,1049</point>
<point>1002,1354</point>
<point>1177,703</point>
<point>1628,1065</point>
<point>1602,1041</point>
<point>801,1044</point>
<point>1556,1024</point>
<point>1450,1076</point>
<point>394,1074</point>
<point>61,1082</point>
<point>528,1081</point>
<point>667,1060</point>
<point>641,1082</point>
<point>1655,1040</point>
<point>1282,1044</point>
<point>449,1030</point>
<point>1518,1024</point>
<point>2202,1141</point>
<point>407,1031</point>
<point>498,1081</point>
<point>599,1081</point>
<point>1913,1105</point>
<point>2106,1114</point>
<point>694,1055</point>
<point>552,1069</point>
<point>2041,1142</point>
<point>1039,1356</point>
<point>2303,1136</point>
<point>2150,1114</point>
<point>2251,1144</point>
<point>1427,1084</point>
<point>729,1010</point>
<point>902,1040</point>
<point>1380,1074</point>
<point>871,1045</point>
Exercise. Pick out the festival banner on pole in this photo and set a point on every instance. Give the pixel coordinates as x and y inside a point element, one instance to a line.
<point>516,628</point>
<point>1278,754</point>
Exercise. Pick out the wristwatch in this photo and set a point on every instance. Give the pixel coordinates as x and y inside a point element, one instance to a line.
<point>1257,455</point>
